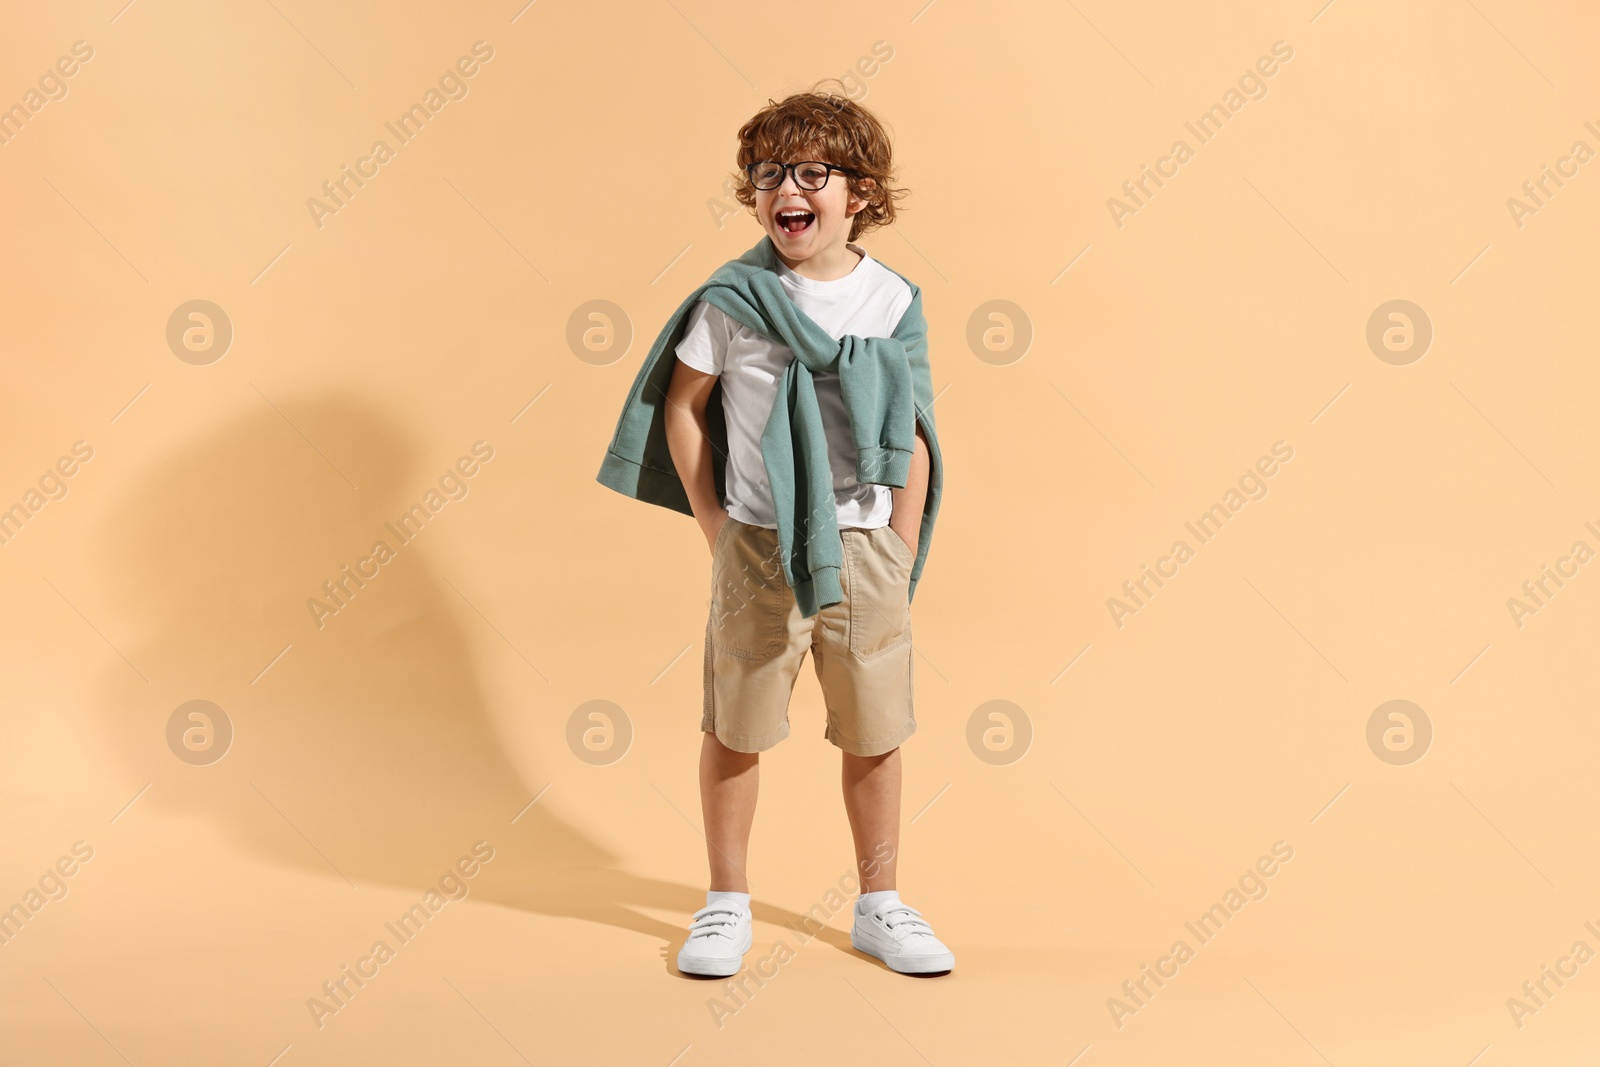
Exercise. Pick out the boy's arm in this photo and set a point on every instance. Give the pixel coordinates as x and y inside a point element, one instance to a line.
<point>689,441</point>
<point>905,517</point>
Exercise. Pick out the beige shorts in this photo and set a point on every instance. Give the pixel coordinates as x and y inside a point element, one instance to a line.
<point>757,639</point>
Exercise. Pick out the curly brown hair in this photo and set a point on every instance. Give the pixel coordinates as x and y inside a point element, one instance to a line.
<point>830,127</point>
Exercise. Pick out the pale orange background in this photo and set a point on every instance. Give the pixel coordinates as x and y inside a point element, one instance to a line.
<point>1229,313</point>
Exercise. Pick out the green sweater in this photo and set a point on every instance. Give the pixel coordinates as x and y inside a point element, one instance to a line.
<point>887,388</point>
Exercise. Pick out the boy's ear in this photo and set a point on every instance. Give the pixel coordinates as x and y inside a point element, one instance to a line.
<point>858,202</point>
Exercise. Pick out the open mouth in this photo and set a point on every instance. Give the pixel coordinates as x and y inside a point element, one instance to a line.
<point>795,220</point>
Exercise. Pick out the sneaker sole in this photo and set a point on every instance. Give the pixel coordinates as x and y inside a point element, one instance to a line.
<point>940,964</point>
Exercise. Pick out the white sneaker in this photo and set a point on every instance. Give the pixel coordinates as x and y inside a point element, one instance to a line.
<point>719,937</point>
<point>898,935</point>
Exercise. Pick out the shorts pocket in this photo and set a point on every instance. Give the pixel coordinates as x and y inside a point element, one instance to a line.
<point>749,611</point>
<point>722,534</point>
<point>879,577</point>
<point>906,552</point>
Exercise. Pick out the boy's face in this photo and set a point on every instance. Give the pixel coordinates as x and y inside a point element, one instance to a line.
<point>830,208</point>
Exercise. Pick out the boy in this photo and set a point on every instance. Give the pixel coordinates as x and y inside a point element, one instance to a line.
<point>831,475</point>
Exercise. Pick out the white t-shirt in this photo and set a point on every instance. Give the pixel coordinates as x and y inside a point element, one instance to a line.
<point>867,302</point>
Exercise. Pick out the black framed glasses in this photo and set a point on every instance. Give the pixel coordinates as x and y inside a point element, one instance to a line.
<point>809,174</point>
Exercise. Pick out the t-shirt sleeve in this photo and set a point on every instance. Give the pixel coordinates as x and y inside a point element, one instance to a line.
<point>704,345</point>
<point>899,301</point>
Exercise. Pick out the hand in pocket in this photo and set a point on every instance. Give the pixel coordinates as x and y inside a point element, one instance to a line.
<point>716,535</point>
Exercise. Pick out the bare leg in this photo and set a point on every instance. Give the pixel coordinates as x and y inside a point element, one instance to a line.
<point>728,786</point>
<point>872,800</point>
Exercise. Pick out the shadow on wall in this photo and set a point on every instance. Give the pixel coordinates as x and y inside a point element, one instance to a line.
<point>366,752</point>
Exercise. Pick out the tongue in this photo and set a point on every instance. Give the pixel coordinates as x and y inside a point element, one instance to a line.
<point>795,225</point>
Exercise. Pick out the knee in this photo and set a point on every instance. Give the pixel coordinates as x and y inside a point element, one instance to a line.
<point>725,756</point>
<point>869,762</point>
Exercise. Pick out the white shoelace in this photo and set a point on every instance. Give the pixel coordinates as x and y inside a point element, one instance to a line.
<point>717,919</point>
<point>903,921</point>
